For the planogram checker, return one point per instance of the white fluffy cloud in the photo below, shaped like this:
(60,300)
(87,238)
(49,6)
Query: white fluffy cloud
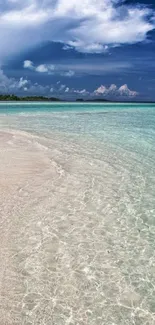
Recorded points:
(82,92)
(67,90)
(44,68)
(26,87)
(21,86)
(28,64)
(48,69)
(86,25)
(10,85)
(113,90)
(125,91)
(70,68)
(22,83)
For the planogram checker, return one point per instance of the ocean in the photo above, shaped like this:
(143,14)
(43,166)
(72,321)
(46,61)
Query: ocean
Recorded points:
(77,208)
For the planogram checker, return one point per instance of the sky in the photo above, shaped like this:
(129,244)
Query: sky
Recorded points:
(78,49)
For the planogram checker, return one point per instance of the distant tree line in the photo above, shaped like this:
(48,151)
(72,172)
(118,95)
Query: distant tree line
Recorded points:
(13,97)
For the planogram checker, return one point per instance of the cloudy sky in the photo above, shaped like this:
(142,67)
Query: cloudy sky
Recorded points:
(72,49)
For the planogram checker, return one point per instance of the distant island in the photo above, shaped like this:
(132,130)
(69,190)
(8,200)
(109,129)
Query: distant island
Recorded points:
(98,100)
(15,98)
(28,98)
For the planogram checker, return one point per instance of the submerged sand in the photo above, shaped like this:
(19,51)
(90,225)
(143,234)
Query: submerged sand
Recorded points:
(68,255)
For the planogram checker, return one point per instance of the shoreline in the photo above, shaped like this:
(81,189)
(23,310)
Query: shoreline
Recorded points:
(73,103)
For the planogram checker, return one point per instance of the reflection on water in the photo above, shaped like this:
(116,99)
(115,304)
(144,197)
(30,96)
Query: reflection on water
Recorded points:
(77,223)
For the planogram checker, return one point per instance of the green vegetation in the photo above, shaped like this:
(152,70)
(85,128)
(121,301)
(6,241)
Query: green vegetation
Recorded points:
(8,97)
(15,98)
(27,99)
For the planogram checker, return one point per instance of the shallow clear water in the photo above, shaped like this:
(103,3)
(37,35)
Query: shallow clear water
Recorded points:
(78,214)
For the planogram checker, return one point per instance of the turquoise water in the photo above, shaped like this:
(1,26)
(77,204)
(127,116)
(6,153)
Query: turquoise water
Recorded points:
(94,199)
(127,126)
